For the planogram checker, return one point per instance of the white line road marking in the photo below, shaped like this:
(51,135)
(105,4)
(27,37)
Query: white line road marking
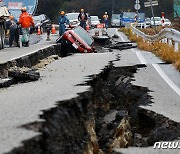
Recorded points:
(166,78)
(120,36)
(156,67)
(140,57)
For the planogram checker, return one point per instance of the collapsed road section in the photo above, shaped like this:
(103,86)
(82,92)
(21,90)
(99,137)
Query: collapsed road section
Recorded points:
(96,116)
(101,119)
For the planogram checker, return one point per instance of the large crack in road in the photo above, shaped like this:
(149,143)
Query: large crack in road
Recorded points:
(106,117)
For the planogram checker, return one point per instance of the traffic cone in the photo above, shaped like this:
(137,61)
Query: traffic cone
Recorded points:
(39,30)
(100,25)
(53,30)
(87,27)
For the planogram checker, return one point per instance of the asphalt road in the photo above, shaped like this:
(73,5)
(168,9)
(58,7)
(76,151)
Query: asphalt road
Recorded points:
(23,103)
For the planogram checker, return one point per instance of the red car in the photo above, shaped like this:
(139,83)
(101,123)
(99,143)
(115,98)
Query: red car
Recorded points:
(77,40)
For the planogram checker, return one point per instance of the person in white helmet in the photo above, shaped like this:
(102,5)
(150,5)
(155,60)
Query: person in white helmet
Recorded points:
(106,17)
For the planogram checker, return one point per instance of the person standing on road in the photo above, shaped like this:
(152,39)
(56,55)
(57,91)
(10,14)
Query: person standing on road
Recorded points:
(12,31)
(63,20)
(82,17)
(106,17)
(26,22)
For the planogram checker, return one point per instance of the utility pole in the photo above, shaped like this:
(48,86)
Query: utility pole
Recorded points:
(152,13)
(112,6)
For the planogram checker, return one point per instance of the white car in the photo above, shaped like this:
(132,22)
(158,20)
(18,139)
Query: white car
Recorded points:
(94,21)
(148,22)
(115,20)
(73,19)
(158,21)
(167,22)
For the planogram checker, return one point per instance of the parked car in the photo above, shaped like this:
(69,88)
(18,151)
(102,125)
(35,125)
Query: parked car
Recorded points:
(76,40)
(116,20)
(73,19)
(42,21)
(148,22)
(167,22)
(94,21)
(158,21)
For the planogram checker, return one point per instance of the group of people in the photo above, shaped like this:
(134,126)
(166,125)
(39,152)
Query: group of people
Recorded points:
(63,21)
(82,17)
(26,21)
(12,28)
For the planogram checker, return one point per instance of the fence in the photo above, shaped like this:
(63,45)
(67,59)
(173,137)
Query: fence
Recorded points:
(167,35)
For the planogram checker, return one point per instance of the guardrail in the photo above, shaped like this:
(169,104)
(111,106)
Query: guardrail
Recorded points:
(167,35)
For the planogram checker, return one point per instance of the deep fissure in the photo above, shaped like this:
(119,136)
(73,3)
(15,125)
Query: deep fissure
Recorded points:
(101,119)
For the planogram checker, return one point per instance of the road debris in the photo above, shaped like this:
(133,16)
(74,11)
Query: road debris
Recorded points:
(6,82)
(24,74)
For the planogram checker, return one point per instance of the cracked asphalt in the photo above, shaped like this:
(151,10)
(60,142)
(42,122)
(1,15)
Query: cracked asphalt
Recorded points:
(23,103)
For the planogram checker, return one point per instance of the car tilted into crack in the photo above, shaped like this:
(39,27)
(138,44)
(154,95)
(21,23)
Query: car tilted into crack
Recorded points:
(76,40)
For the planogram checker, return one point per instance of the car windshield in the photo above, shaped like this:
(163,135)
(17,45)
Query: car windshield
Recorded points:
(94,18)
(116,16)
(167,20)
(156,18)
(130,15)
(72,16)
(84,35)
(147,19)
(37,18)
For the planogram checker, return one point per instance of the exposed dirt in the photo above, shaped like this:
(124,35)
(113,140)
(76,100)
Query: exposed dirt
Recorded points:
(104,118)
(42,63)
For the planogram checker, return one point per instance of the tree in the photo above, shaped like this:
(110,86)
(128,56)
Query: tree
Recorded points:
(97,7)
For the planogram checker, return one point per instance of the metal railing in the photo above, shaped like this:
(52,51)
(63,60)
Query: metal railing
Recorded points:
(166,35)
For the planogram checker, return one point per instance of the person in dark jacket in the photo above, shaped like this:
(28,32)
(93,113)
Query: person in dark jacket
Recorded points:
(62,21)
(82,18)
(12,31)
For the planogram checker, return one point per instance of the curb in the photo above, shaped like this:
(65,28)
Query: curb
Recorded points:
(30,59)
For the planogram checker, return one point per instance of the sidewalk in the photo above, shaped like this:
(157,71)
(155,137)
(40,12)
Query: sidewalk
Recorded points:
(9,54)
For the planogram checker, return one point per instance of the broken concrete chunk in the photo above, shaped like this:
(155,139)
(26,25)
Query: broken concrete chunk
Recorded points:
(20,75)
(6,82)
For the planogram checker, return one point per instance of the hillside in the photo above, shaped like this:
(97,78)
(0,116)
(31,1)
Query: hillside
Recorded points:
(97,7)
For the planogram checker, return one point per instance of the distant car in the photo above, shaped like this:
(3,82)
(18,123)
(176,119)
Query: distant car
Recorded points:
(116,20)
(76,40)
(42,21)
(167,22)
(148,22)
(73,19)
(94,21)
(158,21)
